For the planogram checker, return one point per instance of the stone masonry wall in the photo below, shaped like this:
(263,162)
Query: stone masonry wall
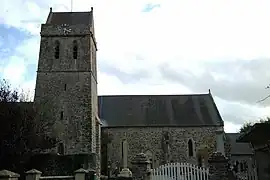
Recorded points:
(98,148)
(145,139)
(57,30)
(65,87)
(75,127)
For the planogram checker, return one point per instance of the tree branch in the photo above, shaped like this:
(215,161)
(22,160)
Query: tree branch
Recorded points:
(263,99)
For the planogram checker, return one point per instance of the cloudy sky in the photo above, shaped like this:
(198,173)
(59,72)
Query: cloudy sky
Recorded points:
(158,47)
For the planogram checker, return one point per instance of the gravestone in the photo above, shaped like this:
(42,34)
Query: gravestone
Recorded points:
(141,167)
(218,167)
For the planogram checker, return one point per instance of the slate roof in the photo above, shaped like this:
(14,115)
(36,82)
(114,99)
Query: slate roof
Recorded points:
(70,18)
(159,110)
(238,148)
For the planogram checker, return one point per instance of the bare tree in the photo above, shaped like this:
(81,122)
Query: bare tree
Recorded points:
(19,132)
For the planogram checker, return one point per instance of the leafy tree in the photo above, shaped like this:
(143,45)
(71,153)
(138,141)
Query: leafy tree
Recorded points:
(20,134)
(247,126)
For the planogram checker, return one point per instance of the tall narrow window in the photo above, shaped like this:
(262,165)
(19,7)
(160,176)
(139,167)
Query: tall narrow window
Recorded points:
(65,87)
(122,149)
(60,148)
(190,148)
(57,50)
(61,115)
(75,50)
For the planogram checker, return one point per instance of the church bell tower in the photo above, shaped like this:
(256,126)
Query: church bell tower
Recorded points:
(66,84)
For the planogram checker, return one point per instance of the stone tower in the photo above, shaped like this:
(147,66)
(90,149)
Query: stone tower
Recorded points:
(66,85)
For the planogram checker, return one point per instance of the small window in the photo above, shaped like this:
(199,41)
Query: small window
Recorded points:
(57,50)
(61,115)
(65,87)
(190,148)
(60,148)
(75,50)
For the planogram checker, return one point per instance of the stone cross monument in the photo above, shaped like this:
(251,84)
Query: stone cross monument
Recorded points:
(125,171)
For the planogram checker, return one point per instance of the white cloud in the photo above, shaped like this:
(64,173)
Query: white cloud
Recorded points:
(183,34)
(237,113)
(28,89)
(109,84)
(231,128)
(14,70)
(29,50)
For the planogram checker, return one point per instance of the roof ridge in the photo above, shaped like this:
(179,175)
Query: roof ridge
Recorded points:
(71,18)
(199,94)
(72,12)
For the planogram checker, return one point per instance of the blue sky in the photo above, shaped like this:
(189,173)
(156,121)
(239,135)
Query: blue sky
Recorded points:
(19,67)
(158,47)
(10,38)
(149,7)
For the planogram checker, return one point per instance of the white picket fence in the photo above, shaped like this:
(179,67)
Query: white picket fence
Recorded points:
(180,171)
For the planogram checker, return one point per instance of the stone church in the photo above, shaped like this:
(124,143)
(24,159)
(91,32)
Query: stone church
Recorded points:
(168,128)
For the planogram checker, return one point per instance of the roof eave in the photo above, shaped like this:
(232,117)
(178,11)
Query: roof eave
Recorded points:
(216,109)
(161,125)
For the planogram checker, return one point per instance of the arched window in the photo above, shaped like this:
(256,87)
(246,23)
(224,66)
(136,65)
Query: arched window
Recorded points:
(75,50)
(57,50)
(61,115)
(122,150)
(60,148)
(190,148)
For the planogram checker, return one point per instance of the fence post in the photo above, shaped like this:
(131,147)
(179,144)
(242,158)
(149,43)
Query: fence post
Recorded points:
(141,167)
(80,174)
(8,175)
(33,174)
(218,167)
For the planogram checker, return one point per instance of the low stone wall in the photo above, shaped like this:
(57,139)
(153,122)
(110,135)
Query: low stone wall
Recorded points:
(80,174)
(53,164)
(49,164)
